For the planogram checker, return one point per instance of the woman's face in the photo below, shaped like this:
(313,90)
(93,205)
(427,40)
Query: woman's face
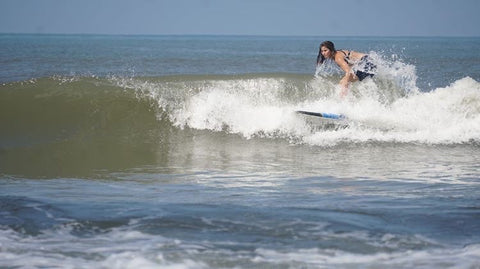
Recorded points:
(326,52)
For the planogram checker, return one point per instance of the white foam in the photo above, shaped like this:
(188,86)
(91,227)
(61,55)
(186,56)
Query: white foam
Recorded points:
(467,257)
(443,116)
(388,108)
(247,107)
(116,249)
(122,248)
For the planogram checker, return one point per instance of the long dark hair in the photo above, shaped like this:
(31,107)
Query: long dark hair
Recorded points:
(329,45)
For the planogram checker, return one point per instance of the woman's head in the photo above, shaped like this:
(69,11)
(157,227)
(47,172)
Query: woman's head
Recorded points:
(326,50)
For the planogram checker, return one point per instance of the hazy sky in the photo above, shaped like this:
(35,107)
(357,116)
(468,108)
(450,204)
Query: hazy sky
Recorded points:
(244,17)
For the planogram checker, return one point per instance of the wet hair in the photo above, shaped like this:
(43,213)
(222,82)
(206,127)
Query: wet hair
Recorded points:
(329,45)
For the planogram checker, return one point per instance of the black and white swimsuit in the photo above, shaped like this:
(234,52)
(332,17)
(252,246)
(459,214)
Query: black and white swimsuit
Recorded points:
(363,68)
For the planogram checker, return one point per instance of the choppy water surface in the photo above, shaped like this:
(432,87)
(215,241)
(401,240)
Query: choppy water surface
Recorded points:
(186,152)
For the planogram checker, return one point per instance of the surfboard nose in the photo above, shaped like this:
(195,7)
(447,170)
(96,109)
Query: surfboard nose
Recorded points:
(323,115)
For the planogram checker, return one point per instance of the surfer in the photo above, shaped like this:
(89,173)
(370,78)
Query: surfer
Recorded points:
(357,65)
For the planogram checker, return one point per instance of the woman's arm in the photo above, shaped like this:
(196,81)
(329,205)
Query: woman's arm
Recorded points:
(349,76)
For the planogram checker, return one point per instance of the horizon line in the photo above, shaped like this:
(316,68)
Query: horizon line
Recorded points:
(238,35)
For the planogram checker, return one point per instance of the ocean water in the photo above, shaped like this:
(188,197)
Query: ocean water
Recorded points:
(186,152)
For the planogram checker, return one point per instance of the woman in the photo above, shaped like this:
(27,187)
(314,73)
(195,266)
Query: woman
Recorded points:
(357,65)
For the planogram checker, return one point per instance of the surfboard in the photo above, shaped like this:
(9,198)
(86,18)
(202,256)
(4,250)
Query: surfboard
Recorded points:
(322,115)
(324,121)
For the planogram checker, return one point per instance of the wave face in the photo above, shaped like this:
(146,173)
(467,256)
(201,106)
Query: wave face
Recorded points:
(91,122)
(139,110)
(139,119)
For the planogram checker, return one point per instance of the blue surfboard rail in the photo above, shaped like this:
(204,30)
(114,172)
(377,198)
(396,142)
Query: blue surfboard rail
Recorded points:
(322,115)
